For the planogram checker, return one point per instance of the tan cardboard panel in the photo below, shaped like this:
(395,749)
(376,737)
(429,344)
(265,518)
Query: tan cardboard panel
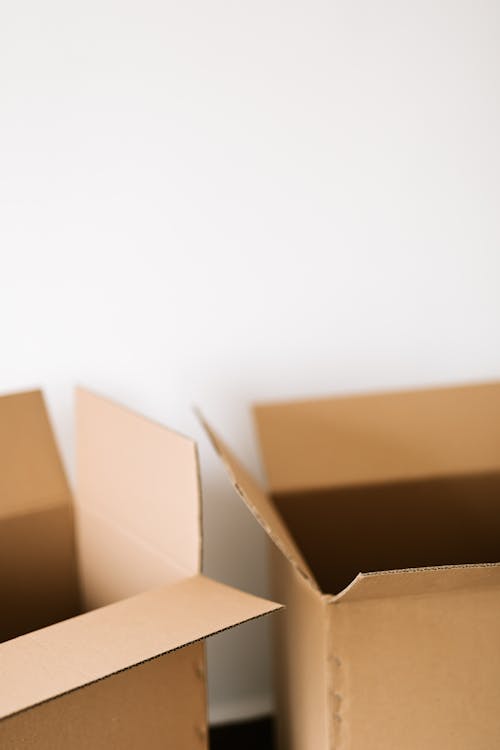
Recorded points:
(142,478)
(417,672)
(419,582)
(384,437)
(38,579)
(31,473)
(130,565)
(77,652)
(157,705)
(300,654)
(344,531)
(260,505)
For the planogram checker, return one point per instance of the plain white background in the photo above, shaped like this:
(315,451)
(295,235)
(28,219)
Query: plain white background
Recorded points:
(220,202)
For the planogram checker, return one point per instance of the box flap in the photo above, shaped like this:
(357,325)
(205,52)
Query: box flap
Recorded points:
(71,654)
(419,581)
(260,505)
(137,487)
(378,438)
(32,477)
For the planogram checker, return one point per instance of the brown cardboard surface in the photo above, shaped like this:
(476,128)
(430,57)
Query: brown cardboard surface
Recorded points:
(417,672)
(420,582)
(38,581)
(382,437)
(119,564)
(129,674)
(32,476)
(301,667)
(142,479)
(261,506)
(344,531)
(70,654)
(406,484)
(159,704)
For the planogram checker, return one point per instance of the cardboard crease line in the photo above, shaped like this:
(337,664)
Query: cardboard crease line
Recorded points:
(267,528)
(161,554)
(336,687)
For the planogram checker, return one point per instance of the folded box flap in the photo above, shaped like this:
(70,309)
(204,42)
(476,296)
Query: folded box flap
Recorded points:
(261,506)
(140,481)
(419,582)
(32,477)
(71,654)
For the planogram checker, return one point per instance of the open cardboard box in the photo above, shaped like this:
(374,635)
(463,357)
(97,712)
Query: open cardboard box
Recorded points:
(406,488)
(129,672)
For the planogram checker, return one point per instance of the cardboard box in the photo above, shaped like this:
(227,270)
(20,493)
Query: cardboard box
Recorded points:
(129,672)
(404,487)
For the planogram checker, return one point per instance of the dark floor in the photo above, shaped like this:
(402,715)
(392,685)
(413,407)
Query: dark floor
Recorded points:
(257,735)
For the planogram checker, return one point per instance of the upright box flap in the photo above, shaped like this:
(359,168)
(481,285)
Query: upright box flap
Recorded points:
(419,581)
(261,506)
(137,489)
(71,654)
(32,477)
(379,438)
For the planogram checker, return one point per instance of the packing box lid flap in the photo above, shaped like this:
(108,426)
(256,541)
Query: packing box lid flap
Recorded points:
(32,477)
(140,478)
(383,437)
(261,506)
(419,582)
(71,654)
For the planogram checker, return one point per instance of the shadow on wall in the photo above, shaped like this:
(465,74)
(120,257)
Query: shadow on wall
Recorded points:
(235,552)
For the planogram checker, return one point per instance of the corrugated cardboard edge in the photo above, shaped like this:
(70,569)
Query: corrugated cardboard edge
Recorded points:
(272,524)
(200,508)
(335,687)
(141,637)
(418,581)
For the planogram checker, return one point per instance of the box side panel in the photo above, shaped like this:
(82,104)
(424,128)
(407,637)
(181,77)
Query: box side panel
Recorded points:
(383,437)
(131,566)
(300,641)
(38,581)
(140,479)
(156,705)
(31,472)
(417,672)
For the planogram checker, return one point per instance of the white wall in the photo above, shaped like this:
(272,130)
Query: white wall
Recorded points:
(217,202)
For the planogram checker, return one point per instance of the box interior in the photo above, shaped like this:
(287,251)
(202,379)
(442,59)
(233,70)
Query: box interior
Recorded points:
(46,580)
(342,532)
(132,524)
(38,571)
(387,481)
